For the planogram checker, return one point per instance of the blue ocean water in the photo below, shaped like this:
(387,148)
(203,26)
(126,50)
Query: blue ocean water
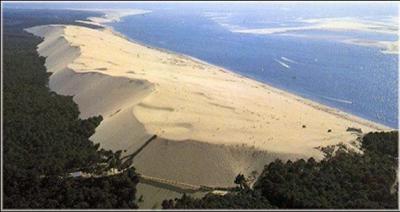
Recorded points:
(356,79)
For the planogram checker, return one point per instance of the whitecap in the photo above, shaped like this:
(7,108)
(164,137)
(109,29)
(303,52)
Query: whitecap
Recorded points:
(288,60)
(282,63)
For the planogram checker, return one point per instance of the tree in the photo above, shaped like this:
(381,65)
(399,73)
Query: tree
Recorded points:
(241,181)
(43,137)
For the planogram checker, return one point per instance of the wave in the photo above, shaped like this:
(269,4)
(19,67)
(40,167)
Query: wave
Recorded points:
(282,63)
(337,100)
(288,60)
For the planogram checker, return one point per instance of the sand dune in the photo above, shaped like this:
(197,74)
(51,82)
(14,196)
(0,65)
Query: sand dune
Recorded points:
(211,123)
(111,15)
(115,15)
(201,163)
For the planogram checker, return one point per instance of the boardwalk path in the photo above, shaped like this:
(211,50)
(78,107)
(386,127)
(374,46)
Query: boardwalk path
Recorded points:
(179,186)
(173,185)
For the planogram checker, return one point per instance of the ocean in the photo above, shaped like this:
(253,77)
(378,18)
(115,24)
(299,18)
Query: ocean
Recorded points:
(312,63)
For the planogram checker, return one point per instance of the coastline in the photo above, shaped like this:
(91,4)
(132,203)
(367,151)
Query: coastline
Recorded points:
(111,15)
(201,113)
(317,105)
(210,75)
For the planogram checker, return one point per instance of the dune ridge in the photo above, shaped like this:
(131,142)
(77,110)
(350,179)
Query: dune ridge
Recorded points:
(211,123)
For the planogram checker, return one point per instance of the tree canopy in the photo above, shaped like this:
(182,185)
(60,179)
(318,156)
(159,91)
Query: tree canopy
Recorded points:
(43,137)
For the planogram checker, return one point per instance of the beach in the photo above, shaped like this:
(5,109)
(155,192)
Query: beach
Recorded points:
(211,123)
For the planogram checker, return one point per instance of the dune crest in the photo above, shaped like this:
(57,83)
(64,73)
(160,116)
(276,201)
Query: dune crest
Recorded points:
(211,123)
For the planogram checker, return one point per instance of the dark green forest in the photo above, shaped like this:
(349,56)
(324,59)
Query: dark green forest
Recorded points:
(43,137)
(343,179)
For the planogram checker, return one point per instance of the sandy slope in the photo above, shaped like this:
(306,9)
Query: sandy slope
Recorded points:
(211,123)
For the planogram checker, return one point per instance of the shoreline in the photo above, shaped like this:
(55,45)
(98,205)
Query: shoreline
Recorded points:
(268,88)
(211,123)
(110,15)
(329,109)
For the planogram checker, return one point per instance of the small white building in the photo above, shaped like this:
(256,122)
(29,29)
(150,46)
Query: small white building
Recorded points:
(76,174)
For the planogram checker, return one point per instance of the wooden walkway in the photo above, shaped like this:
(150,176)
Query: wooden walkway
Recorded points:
(179,186)
(168,184)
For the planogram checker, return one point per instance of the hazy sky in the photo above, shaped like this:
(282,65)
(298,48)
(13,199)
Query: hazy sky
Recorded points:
(297,8)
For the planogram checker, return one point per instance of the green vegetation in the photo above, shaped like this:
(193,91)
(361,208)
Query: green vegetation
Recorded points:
(344,179)
(241,200)
(115,191)
(43,137)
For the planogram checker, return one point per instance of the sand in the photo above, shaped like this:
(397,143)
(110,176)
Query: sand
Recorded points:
(111,15)
(211,123)
(389,26)
(387,47)
(333,24)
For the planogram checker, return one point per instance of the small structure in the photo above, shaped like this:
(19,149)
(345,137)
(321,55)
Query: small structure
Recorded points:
(76,174)
(219,192)
(80,174)
(112,171)
(353,129)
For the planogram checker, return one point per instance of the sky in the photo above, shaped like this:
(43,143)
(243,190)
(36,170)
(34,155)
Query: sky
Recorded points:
(384,6)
